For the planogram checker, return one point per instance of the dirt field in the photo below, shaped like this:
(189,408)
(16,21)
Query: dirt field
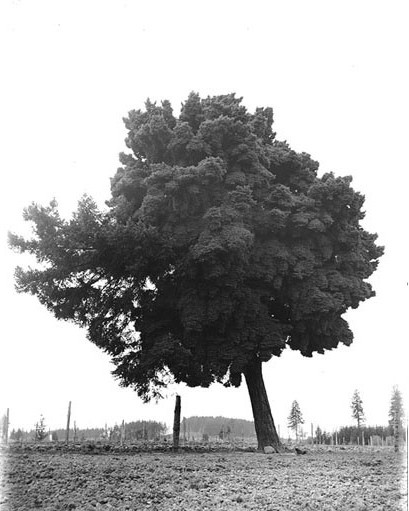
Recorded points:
(333,479)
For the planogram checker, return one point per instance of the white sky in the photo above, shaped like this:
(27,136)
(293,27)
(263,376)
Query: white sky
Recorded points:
(335,74)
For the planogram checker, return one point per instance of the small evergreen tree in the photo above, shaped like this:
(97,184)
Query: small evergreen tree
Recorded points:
(357,409)
(295,418)
(114,433)
(396,414)
(318,435)
(326,437)
(40,429)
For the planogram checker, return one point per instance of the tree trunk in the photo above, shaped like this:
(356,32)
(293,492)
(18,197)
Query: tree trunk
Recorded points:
(176,424)
(396,433)
(263,420)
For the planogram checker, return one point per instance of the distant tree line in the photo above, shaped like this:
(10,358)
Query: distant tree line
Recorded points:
(204,427)
(143,430)
(138,430)
(221,427)
(353,434)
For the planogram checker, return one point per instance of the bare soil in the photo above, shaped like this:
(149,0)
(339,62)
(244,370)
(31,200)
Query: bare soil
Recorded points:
(323,479)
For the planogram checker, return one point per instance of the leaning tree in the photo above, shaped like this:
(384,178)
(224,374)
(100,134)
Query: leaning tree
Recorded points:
(220,247)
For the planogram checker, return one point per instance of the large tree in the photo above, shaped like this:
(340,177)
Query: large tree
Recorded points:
(220,248)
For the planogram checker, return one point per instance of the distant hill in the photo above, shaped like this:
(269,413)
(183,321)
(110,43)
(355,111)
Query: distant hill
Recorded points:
(218,427)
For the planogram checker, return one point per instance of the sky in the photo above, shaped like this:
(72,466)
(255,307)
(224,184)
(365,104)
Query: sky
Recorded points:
(335,74)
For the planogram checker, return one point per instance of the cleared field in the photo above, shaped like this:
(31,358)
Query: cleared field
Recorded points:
(371,480)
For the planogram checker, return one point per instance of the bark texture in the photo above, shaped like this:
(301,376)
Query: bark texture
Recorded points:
(263,419)
(176,424)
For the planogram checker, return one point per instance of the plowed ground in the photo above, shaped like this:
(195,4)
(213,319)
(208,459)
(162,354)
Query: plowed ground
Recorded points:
(366,480)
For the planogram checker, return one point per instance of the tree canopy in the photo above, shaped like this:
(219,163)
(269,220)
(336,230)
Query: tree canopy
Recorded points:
(220,245)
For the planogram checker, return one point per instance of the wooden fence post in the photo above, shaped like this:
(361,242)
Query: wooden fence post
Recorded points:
(176,424)
(67,433)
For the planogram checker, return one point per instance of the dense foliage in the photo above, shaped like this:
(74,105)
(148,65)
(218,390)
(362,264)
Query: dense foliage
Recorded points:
(221,246)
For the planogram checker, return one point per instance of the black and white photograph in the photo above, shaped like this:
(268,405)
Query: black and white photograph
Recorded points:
(204,255)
